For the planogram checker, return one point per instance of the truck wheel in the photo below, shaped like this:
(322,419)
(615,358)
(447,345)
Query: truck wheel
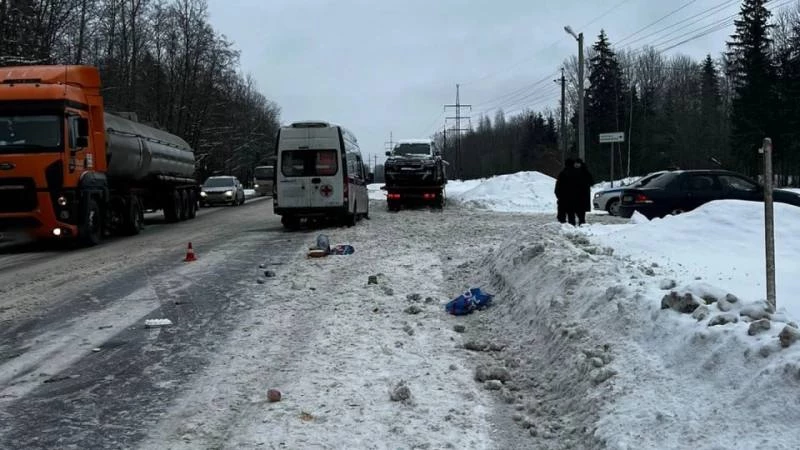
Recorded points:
(184,205)
(192,213)
(172,207)
(290,223)
(135,218)
(439,202)
(91,230)
(351,220)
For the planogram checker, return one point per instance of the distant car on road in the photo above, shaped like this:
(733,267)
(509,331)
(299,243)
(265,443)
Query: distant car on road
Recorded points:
(222,190)
(608,199)
(680,191)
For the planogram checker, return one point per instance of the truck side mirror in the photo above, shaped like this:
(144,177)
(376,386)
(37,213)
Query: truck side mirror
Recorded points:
(370,178)
(388,153)
(82,140)
(83,127)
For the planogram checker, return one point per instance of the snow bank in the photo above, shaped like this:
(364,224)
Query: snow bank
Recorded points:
(722,243)
(610,369)
(375,192)
(528,192)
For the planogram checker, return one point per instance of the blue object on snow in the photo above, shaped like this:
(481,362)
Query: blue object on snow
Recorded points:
(469,301)
(343,249)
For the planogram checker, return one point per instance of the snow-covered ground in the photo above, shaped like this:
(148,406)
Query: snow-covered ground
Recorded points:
(596,357)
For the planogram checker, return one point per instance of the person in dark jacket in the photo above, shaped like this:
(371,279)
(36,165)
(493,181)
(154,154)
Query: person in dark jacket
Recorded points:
(573,191)
(561,198)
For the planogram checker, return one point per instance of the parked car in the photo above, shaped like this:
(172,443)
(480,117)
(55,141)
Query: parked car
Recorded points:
(608,199)
(222,190)
(684,190)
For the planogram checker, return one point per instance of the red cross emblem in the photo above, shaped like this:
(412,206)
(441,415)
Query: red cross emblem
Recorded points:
(326,190)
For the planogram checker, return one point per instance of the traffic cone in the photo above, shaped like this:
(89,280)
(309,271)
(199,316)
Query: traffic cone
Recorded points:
(190,254)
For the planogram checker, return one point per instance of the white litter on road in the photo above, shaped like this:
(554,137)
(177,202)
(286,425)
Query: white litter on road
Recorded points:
(151,323)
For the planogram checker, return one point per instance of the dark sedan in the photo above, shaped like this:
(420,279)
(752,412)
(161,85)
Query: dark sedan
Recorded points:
(684,190)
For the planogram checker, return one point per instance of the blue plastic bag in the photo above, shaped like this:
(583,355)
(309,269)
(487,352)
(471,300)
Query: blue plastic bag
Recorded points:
(469,301)
(342,249)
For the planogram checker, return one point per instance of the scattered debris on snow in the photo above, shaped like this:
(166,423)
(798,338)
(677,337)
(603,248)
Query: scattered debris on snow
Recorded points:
(152,323)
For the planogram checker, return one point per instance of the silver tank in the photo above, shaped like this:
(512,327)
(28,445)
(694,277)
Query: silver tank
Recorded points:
(135,151)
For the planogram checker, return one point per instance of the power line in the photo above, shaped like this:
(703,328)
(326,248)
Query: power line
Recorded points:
(661,19)
(696,18)
(549,47)
(517,92)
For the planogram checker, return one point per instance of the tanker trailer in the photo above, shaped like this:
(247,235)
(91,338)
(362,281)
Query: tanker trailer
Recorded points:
(155,167)
(70,171)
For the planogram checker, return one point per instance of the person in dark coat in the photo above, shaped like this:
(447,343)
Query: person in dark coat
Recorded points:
(561,197)
(573,191)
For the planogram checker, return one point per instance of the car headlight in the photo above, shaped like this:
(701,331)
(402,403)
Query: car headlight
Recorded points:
(255,186)
(203,194)
(597,194)
(228,193)
(62,201)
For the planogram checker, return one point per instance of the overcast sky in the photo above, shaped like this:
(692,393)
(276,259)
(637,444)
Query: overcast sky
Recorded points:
(381,66)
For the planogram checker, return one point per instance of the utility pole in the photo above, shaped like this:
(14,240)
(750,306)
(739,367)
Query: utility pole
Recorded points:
(563,132)
(458,117)
(389,143)
(581,129)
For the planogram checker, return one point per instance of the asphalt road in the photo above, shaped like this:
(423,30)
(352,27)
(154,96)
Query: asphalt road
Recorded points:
(78,366)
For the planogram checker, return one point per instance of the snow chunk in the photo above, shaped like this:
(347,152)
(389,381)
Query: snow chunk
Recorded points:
(152,323)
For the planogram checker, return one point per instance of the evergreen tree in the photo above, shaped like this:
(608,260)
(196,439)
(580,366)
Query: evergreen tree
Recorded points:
(605,102)
(710,108)
(752,74)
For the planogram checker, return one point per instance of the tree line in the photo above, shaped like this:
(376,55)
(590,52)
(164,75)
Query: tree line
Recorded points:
(160,59)
(676,112)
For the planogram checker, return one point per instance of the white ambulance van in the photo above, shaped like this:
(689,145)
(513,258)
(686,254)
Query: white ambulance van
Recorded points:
(319,175)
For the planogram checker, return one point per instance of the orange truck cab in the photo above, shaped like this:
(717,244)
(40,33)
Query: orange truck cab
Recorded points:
(68,170)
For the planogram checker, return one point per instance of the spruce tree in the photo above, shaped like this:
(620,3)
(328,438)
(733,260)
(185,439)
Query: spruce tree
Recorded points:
(752,74)
(605,103)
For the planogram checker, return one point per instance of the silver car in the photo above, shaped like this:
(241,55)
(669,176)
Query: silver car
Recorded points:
(222,190)
(608,199)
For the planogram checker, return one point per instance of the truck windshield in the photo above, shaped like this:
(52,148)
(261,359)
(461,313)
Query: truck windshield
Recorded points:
(412,149)
(31,133)
(264,173)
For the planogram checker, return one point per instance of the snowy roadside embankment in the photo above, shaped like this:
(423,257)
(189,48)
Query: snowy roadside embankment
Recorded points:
(721,243)
(597,338)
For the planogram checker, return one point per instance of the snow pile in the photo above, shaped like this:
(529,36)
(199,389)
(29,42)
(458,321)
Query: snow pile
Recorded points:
(609,368)
(528,192)
(375,192)
(721,242)
(458,187)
